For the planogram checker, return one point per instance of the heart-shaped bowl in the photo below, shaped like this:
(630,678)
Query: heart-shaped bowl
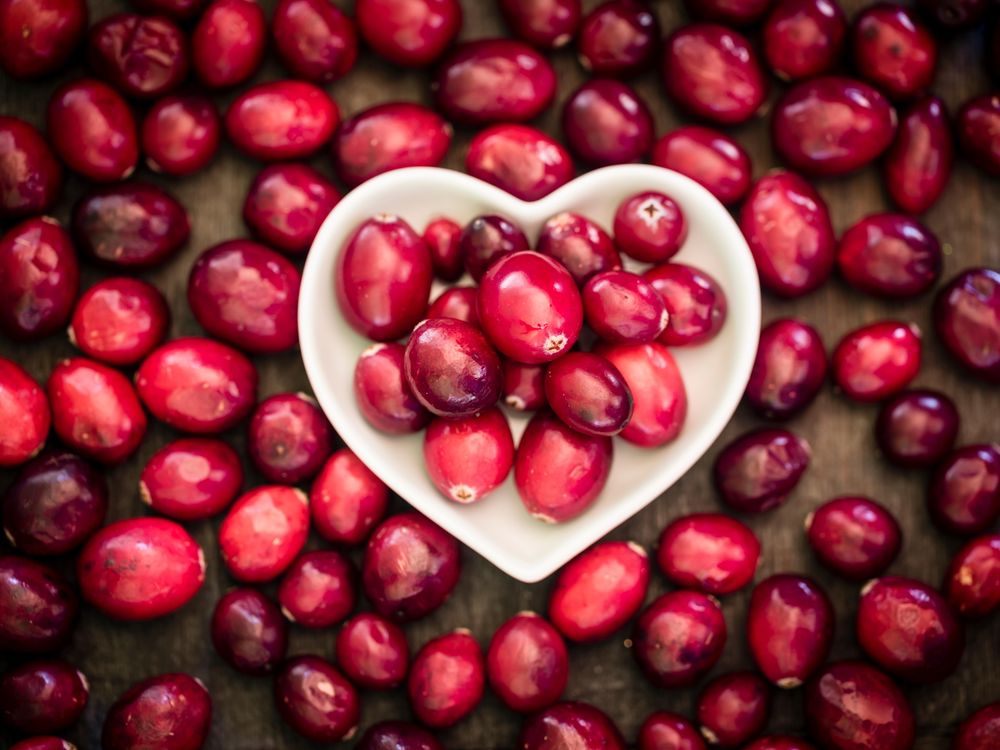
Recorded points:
(498,527)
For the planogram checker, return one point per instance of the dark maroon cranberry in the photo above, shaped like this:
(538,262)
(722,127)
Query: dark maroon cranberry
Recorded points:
(893,49)
(525,162)
(803,38)
(588,393)
(143,57)
(570,724)
(972,584)
(679,637)
(890,255)
(447,679)
(977,124)
(382,393)
(180,134)
(37,607)
(734,708)
(667,731)
(527,663)
(314,39)
(316,700)
(712,159)
(967,318)
(25,411)
(964,493)
(548,24)
(623,308)
(119,320)
(979,730)
(607,122)
(854,536)
(169,711)
(579,244)
(248,631)
(442,237)
(37,37)
(695,303)
(736,12)
(318,590)
(523,385)
(917,428)
(191,478)
(458,302)
(650,227)
(373,651)
(757,471)
(877,360)
(30,175)
(918,164)
(227,44)
(709,552)
(412,33)
(287,203)
(789,369)
(347,500)
(289,438)
(618,38)
(955,14)
(485,240)
(397,735)
(42,696)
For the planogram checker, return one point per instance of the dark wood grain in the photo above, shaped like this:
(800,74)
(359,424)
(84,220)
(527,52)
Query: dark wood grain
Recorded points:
(967,219)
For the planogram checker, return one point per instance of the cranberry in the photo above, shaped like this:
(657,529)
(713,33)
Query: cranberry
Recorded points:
(712,159)
(227,44)
(383,278)
(264,532)
(316,700)
(469,457)
(119,320)
(38,608)
(679,637)
(548,24)
(890,255)
(918,164)
(527,663)
(917,428)
(779,742)
(43,743)
(978,122)
(458,302)
(347,500)
(42,696)
(523,385)
(588,393)
(397,735)
(412,33)
(248,631)
(37,37)
(493,80)
(850,705)
(803,38)
(606,122)
(373,652)
(180,134)
(787,225)
(410,567)
(972,584)
(964,493)
(485,240)
(709,552)
(877,360)
(579,244)
(954,14)
(599,590)
(734,708)
(130,226)
(623,308)
(979,730)
(695,303)
(191,479)
(54,505)
(289,438)
(314,39)
(24,412)
(570,724)
(286,205)
(712,72)
(318,590)
(893,49)
(442,237)
(30,175)
(143,57)
(666,731)
(757,471)
(618,38)
(382,393)
(789,369)
(526,162)
(967,318)
(854,536)
(168,711)
(650,227)
(447,679)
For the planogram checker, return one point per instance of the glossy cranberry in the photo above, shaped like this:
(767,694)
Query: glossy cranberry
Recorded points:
(281,120)
(733,708)
(248,631)
(893,49)
(382,393)
(228,42)
(54,505)
(708,552)
(42,696)
(318,589)
(30,175)
(191,479)
(667,731)
(410,567)
(43,743)
(143,57)
(803,38)
(485,240)
(286,205)
(180,134)
(37,37)
(412,33)
(527,663)
(917,428)
(469,457)
(570,724)
(977,126)
(712,159)
(967,319)
(289,438)
(38,608)
(447,679)
(547,24)
(25,413)
(525,162)
(890,255)
(347,500)
(316,700)
(979,730)
(854,536)
(757,471)
(695,303)
(972,584)
(119,320)
(954,14)
(169,711)
(907,627)
(964,493)
(314,39)
(606,122)
(579,244)
(678,638)
(458,302)
(623,308)
(779,742)
(383,278)
(588,393)
(442,237)
(493,80)
(649,227)
(789,369)
(263,532)
(877,360)
(372,651)
(398,735)
(599,590)
(618,38)
(918,164)
(523,385)
(197,385)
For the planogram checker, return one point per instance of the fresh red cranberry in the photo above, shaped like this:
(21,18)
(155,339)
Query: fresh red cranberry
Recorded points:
(398,735)
(979,730)
(618,38)
(30,175)
(712,159)
(314,39)
(227,44)
(289,438)
(623,308)
(55,504)
(191,479)
(412,33)
(803,38)
(458,302)
(890,255)
(523,385)
(667,731)
(678,638)
(918,164)
(527,663)
(383,278)
(579,244)
(24,412)
(485,240)
(38,608)
(410,568)
(967,319)
(447,679)
(286,205)
(119,320)
(757,471)
(708,552)
(347,500)
(43,743)
(318,589)
(263,532)
(854,536)
(789,369)
(469,457)
(180,134)
(607,122)
(734,708)
(649,227)
(877,360)
(779,742)
(442,236)
(588,393)
(372,651)
(787,225)
(964,493)
(169,711)
(907,627)
(316,700)
(42,696)
(248,631)
(547,24)
(197,385)
(972,584)
(599,590)
(917,428)
(893,49)
(977,126)
(37,37)
(143,57)
(382,393)
(570,724)
(526,162)
(493,80)
(695,303)
(712,72)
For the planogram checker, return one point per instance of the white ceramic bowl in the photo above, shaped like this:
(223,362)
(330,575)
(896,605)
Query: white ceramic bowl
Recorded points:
(498,527)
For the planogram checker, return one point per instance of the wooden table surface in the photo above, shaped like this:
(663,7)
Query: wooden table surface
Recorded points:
(845,460)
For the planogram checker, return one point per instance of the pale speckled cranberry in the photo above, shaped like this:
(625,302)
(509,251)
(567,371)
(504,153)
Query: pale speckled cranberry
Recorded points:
(972,583)
(711,158)
(458,302)
(30,176)
(523,385)
(142,56)
(918,164)
(227,44)
(917,428)
(963,495)
(877,360)
(191,479)
(447,679)
(803,38)
(979,730)
(668,731)
(854,536)
(286,204)
(650,227)
(757,471)
(967,319)
(709,552)
(442,238)
(977,124)
(570,724)
(347,500)
(579,244)
(485,240)
(382,393)
(180,134)
(42,696)
(607,122)
(38,608)
(548,24)
(618,38)
(469,457)
(695,303)
(168,711)
(373,653)
(25,412)
(789,370)
(263,532)
(37,37)
(119,320)
(893,49)
(248,631)
(623,308)
(527,663)
(412,33)
(526,162)
(588,393)
(678,638)
(318,589)
(890,255)
(733,708)
(316,700)
(314,39)
(289,438)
